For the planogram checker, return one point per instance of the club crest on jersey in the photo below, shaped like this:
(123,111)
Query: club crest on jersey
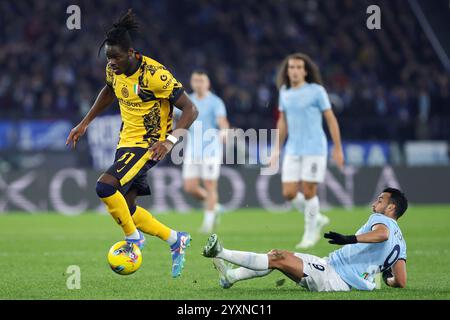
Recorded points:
(125,92)
(136,89)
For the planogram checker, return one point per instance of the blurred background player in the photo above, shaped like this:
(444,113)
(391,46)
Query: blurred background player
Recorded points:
(302,102)
(146,91)
(378,246)
(203,153)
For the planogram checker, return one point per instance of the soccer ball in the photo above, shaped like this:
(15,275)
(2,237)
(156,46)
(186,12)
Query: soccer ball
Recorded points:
(124,257)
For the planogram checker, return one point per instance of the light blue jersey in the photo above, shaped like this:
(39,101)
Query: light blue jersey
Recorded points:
(303,108)
(204,140)
(358,263)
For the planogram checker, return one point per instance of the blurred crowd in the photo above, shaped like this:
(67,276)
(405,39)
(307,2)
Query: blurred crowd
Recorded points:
(384,84)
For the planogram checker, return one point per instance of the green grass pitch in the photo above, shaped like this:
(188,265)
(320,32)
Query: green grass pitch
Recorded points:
(35,251)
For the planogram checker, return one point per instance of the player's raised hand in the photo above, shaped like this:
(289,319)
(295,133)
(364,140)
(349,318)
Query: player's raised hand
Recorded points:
(75,134)
(160,149)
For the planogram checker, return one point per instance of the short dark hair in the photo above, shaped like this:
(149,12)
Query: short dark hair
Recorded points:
(119,34)
(398,198)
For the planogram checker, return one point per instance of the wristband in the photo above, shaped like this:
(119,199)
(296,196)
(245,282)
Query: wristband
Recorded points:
(352,239)
(172,138)
(386,275)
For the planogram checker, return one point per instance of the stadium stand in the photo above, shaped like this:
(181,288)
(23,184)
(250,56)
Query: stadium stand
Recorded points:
(383,85)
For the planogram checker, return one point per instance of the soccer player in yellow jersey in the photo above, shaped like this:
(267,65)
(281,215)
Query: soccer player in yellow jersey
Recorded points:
(146,92)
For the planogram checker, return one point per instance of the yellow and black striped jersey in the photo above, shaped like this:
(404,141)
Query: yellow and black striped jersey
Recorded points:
(146,101)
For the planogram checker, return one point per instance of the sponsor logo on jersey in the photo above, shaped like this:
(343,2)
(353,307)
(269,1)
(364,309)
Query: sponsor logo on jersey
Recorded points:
(128,103)
(168,83)
(152,69)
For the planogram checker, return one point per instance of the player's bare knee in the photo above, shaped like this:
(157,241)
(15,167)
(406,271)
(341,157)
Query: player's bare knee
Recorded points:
(191,185)
(104,190)
(309,191)
(109,179)
(106,186)
(289,194)
(272,252)
(276,258)
(309,195)
(189,188)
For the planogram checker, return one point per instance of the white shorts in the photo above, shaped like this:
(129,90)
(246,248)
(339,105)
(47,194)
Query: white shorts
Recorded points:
(208,169)
(304,168)
(319,275)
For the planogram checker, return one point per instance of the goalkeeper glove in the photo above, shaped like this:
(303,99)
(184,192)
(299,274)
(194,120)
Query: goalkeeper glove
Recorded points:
(337,238)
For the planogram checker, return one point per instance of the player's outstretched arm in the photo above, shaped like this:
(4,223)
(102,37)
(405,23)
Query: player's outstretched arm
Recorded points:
(396,276)
(379,233)
(160,148)
(104,99)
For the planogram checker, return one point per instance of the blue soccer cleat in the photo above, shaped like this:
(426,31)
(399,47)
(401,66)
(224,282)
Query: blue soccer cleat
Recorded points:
(178,250)
(139,242)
